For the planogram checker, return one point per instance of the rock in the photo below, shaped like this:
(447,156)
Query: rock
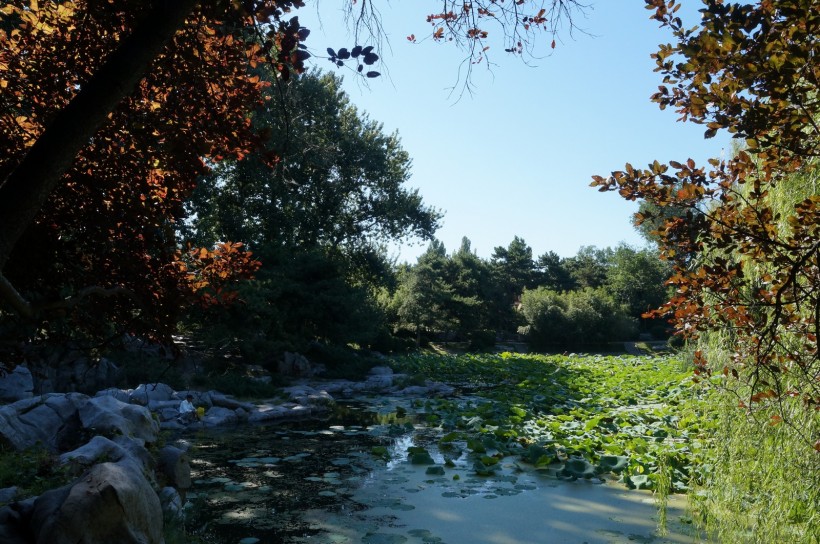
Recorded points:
(15,523)
(219,416)
(74,372)
(267,412)
(16,385)
(174,465)
(50,420)
(379,381)
(381,371)
(294,364)
(98,448)
(113,502)
(119,394)
(225,401)
(7,494)
(145,393)
(108,416)
(172,503)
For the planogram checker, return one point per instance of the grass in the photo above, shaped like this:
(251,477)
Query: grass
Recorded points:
(34,471)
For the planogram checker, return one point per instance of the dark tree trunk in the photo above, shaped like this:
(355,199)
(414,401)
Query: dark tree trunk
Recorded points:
(25,190)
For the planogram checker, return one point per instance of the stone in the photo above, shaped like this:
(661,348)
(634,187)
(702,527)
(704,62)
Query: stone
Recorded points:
(108,416)
(119,394)
(224,401)
(174,466)
(99,448)
(74,372)
(16,385)
(113,502)
(381,371)
(50,420)
(8,494)
(172,503)
(295,364)
(219,416)
(15,525)
(145,393)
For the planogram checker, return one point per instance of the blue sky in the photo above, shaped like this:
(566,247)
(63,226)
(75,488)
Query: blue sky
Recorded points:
(516,157)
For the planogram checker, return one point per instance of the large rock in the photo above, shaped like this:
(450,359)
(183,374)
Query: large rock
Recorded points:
(16,385)
(295,364)
(14,523)
(74,372)
(112,503)
(219,417)
(51,420)
(146,393)
(174,466)
(98,448)
(108,416)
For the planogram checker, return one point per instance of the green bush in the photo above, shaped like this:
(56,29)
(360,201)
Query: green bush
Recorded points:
(589,317)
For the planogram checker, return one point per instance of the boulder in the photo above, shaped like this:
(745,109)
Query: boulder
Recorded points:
(16,385)
(225,401)
(174,466)
(51,420)
(108,416)
(113,502)
(295,364)
(8,494)
(219,416)
(15,526)
(172,504)
(119,394)
(146,393)
(98,448)
(73,372)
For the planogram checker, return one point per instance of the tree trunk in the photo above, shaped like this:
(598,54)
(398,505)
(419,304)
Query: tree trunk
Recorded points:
(25,190)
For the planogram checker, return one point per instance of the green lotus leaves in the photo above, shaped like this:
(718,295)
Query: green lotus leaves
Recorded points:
(613,463)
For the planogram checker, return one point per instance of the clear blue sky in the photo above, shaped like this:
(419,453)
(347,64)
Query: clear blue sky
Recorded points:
(516,157)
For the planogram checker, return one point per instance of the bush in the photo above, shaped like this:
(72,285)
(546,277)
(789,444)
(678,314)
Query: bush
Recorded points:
(590,317)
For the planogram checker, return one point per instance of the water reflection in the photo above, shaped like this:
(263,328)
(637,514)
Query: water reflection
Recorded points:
(327,482)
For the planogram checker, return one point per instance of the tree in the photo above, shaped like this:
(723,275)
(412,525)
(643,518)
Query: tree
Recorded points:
(470,279)
(423,295)
(636,279)
(739,264)
(513,270)
(339,181)
(588,268)
(552,272)
(110,111)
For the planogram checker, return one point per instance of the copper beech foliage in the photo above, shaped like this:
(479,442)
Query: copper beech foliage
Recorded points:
(740,267)
(108,222)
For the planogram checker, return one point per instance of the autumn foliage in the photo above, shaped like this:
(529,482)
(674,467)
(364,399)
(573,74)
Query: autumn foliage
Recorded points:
(109,221)
(743,265)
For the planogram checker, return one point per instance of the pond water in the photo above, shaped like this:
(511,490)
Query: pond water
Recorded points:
(347,479)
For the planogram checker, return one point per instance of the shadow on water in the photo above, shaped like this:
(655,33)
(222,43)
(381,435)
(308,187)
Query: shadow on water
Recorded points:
(320,482)
(255,482)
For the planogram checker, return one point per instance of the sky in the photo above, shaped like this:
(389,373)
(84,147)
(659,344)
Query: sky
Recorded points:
(516,156)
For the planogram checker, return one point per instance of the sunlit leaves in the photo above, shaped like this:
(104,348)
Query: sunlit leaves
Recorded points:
(743,236)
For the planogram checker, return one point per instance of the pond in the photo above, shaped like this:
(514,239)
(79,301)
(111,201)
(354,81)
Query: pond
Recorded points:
(349,479)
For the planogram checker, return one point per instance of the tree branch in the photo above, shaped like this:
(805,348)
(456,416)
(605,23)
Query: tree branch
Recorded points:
(26,189)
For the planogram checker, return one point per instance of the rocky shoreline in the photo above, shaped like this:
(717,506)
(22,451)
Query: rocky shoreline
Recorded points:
(126,482)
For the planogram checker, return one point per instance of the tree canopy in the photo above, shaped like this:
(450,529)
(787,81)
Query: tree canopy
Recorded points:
(111,111)
(741,263)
